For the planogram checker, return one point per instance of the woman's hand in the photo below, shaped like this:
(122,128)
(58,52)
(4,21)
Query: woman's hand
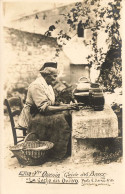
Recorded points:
(63,107)
(73,106)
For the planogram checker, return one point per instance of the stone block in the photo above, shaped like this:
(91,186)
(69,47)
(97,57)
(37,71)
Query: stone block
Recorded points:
(82,151)
(89,126)
(88,123)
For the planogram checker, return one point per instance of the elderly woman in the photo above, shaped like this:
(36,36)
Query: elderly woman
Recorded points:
(39,115)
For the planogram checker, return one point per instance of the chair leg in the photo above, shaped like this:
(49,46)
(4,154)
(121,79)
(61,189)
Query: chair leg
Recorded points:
(15,140)
(24,132)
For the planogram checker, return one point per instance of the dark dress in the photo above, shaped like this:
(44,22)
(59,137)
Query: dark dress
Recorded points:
(50,127)
(54,128)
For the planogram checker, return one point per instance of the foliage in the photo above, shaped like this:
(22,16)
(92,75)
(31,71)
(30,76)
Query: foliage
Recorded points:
(97,15)
(111,68)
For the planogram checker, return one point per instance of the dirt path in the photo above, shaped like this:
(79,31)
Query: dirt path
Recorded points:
(14,183)
(108,152)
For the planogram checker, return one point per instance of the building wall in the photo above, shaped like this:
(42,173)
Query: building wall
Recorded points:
(77,71)
(24,55)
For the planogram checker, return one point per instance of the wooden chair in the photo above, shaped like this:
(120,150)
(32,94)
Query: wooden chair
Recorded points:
(14,107)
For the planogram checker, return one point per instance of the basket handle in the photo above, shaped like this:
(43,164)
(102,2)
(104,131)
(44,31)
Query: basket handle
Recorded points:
(29,135)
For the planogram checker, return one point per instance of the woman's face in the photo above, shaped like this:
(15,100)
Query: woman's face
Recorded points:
(51,79)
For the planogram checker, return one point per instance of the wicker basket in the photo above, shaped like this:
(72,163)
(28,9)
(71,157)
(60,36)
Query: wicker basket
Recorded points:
(32,153)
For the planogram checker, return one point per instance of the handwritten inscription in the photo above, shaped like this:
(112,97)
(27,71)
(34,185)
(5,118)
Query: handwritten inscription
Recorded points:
(84,178)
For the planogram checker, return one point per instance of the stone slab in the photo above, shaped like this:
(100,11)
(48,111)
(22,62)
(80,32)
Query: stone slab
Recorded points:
(82,151)
(88,123)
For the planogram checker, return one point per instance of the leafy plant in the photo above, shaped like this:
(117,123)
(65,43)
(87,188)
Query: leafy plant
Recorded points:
(97,15)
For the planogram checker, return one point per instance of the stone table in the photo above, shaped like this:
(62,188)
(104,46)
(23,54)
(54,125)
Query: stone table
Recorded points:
(88,124)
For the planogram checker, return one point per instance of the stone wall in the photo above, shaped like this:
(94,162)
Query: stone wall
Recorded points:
(24,55)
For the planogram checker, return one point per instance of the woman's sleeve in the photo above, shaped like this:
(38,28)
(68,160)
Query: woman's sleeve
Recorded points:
(39,98)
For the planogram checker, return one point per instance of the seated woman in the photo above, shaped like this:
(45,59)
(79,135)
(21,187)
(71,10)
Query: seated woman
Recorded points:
(39,115)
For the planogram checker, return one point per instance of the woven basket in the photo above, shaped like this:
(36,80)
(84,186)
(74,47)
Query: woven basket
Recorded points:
(32,153)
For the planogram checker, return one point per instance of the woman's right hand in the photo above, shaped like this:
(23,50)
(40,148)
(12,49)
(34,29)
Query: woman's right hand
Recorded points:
(73,107)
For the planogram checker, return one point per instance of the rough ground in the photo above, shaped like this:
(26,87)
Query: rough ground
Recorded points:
(107,160)
(108,150)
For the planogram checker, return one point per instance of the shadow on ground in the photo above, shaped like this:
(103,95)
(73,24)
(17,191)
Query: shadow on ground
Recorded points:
(107,149)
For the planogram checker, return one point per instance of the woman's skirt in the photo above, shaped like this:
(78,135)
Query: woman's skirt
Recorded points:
(55,128)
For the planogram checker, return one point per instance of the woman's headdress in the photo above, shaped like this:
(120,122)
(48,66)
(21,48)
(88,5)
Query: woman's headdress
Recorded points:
(48,64)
